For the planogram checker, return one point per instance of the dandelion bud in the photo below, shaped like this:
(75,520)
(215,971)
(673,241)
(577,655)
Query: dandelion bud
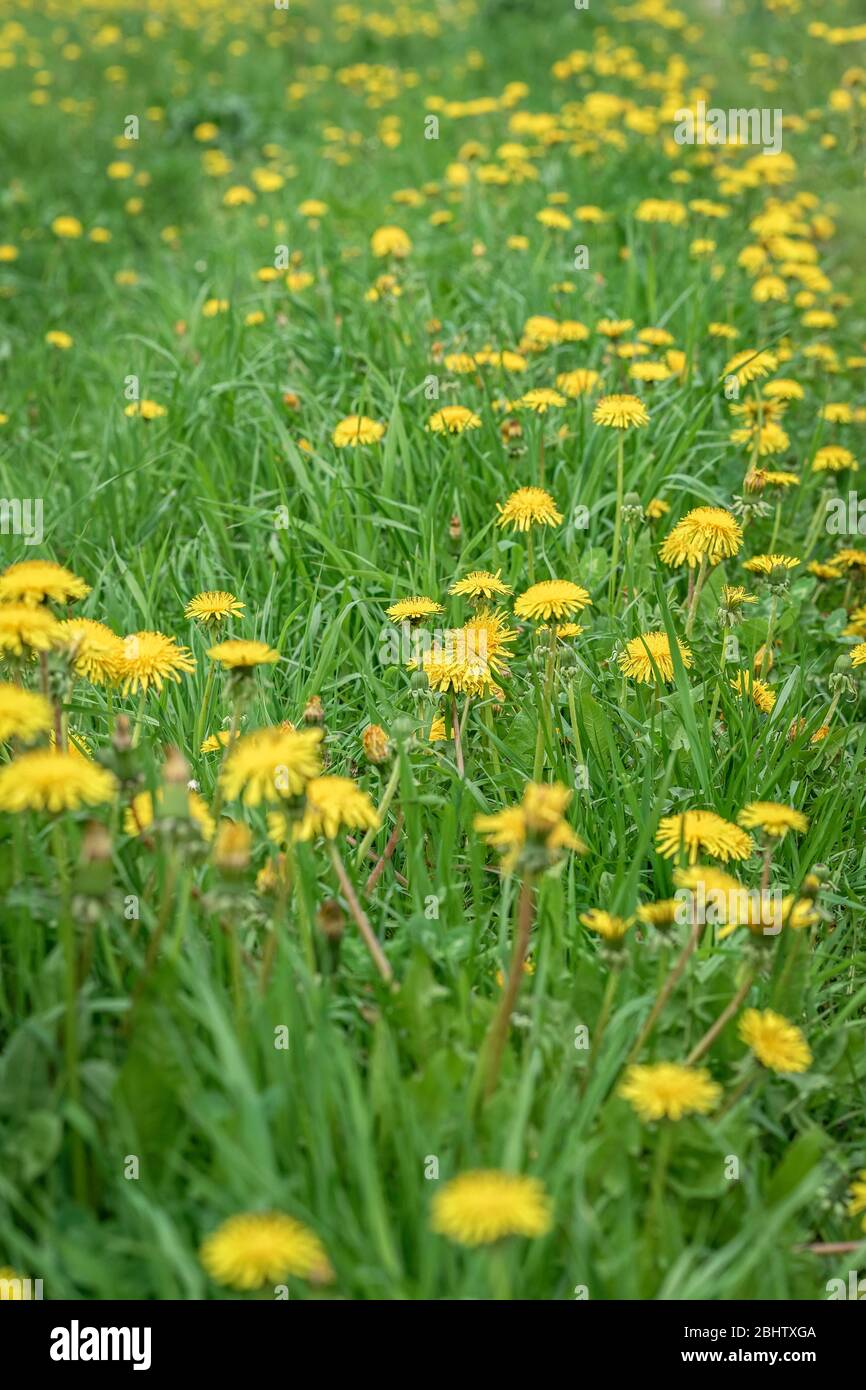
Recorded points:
(377,746)
(330,920)
(313,711)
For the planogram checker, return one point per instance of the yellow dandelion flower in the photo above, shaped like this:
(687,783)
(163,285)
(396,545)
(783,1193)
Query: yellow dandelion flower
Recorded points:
(334,804)
(95,651)
(453,419)
(774,819)
(537,825)
(67,227)
(37,581)
(480,1207)
(607,924)
(580,382)
(702,831)
(413,610)
(150,658)
(213,606)
(766,564)
(355,430)
(777,1044)
(480,584)
(857,1196)
(648,658)
(257,1248)
(709,533)
(241,655)
(540,400)
(271,764)
(750,365)
(214,742)
(23,713)
(620,412)
(24,629)
(832,458)
(390,241)
(761,694)
(552,598)
(528,506)
(669,1090)
(438,733)
(46,780)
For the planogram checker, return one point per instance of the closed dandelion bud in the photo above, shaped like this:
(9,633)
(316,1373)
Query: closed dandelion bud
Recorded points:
(313,711)
(96,845)
(377,745)
(510,429)
(418,683)
(763,660)
(233,845)
(290,400)
(455,531)
(331,920)
(841,682)
(93,878)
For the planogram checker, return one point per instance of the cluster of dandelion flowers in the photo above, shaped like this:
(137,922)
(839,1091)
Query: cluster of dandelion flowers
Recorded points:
(240,655)
(413,610)
(257,1248)
(24,630)
(355,430)
(620,412)
(481,1207)
(333,804)
(699,832)
(214,606)
(151,658)
(46,780)
(669,1090)
(271,764)
(96,653)
(709,533)
(648,658)
(777,1044)
(551,598)
(480,584)
(23,714)
(453,419)
(772,818)
(528,506)
(38,581)
(455,664)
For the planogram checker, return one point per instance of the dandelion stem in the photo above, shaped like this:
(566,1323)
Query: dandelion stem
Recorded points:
(727,1013)
(70,1030)
(667,990)
(617,523)
(771,621)
(696,596)
(498,1031)
(382,964)
(382,810)
(458,743)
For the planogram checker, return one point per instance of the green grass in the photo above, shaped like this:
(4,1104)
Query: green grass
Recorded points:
(175,1060)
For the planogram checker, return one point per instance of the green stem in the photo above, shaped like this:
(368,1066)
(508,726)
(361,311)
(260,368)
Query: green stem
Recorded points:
(387,798)
(617,523)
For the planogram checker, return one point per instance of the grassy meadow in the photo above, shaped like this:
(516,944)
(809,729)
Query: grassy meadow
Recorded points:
(499,943)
